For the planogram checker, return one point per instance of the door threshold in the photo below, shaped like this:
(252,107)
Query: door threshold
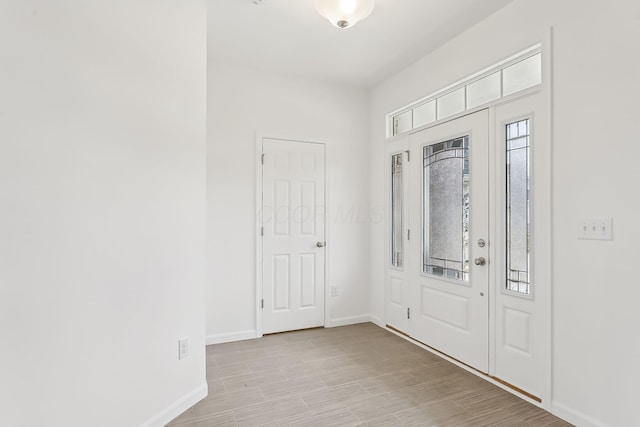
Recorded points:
(398,331)
(516,389)
(469,367)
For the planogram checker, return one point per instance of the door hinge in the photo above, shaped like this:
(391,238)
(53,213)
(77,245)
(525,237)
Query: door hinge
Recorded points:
(408,155)
(262,231)
(408,234)
(262,159)
(262,303)
(408,313)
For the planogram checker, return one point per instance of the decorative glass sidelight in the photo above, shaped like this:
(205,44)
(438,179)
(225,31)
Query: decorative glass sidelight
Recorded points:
(446,209)
(396,211)
(518,224)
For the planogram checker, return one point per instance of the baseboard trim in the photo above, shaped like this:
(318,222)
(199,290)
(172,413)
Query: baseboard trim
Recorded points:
(345,321)
(377,321)
(231,337)
(178,407)
(574,417)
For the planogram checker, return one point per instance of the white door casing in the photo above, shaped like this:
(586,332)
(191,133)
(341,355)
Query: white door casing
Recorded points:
(397,290)
(449,314)
(293,235)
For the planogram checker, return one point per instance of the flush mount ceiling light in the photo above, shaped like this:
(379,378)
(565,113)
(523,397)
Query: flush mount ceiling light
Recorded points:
(344,13)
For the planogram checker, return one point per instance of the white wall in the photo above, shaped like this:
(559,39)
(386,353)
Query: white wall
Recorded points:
(102,209)
(595,152)
(243,101)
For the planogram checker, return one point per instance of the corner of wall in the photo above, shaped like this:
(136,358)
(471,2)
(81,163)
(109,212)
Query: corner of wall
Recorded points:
(345,321)
(376,320)
(178,407)
(574,416)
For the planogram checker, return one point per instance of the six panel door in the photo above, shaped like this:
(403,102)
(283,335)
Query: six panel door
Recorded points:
(293,218)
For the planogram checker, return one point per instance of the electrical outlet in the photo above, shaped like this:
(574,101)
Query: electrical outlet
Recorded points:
(334,290)
(596,229)
(183,348)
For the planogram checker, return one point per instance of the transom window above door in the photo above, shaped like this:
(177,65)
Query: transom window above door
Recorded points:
(512,75)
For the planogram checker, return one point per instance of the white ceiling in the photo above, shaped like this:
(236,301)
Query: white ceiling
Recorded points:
(288,36)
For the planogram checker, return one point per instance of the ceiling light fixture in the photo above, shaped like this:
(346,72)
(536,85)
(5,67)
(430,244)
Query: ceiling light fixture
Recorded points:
(344,13)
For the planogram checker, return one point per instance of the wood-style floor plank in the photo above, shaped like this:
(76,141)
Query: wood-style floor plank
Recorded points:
(358,375)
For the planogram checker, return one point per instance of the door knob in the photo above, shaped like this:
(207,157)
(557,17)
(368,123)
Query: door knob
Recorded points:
(320,244)
(480,261)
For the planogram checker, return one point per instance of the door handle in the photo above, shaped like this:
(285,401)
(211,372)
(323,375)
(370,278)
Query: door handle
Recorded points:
(320,244)
(480,261)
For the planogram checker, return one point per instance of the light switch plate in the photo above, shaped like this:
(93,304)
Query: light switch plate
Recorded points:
(595,229)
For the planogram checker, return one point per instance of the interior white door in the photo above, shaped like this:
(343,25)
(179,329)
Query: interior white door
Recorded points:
(293,242)
(449,217)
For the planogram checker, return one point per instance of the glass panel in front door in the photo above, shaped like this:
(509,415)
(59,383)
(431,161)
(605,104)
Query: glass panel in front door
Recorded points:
(446,209)
(396,211)
(518,210)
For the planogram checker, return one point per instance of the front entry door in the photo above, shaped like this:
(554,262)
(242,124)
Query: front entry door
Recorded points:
(293,210)
(449,228)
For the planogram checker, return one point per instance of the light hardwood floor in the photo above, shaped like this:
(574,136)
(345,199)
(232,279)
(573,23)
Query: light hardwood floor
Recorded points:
(358,375)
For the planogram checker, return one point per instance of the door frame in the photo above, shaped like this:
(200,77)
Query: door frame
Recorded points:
(544,248)
(260,137)
(399,145)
